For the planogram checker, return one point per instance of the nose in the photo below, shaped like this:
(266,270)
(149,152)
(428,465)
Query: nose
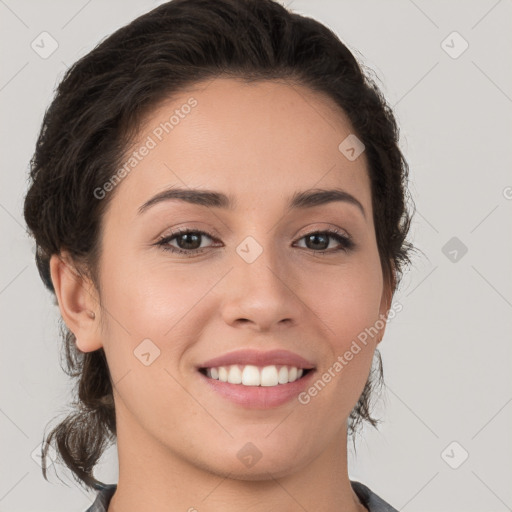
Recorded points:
(262,294)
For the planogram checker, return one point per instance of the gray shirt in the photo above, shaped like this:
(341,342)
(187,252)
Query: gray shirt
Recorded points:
(368,498)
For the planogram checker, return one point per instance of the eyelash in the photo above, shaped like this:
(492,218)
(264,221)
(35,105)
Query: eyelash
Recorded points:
(344,240)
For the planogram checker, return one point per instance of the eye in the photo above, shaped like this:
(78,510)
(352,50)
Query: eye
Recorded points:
(189,241)
(320,240)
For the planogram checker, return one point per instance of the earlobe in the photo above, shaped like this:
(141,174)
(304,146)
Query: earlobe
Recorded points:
(78,302)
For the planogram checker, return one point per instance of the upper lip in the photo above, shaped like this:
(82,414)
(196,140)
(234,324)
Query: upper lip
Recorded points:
(259,358)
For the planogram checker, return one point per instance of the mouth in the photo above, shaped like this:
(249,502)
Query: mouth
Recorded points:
(251,375)
(257,380)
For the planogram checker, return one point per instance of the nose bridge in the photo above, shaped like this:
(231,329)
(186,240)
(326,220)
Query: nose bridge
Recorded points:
(259,263)
(260,290)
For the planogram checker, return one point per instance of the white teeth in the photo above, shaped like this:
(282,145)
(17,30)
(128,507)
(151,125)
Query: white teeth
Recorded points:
(269,376)
(250,375)
(282,376)
(223,374)
(234,375)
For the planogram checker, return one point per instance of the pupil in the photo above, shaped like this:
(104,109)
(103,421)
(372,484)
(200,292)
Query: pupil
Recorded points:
(187,237)
(315,237)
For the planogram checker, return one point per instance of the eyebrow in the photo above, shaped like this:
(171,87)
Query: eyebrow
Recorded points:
(212,199)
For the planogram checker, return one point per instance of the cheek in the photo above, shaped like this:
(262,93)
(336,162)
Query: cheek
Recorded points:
(350,309)
(346,298)
(149,298)
(148,331)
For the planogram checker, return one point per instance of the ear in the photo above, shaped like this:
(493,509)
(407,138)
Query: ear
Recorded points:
(78,302)
(386,300)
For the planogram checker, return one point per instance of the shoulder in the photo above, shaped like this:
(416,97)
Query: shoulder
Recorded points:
(370,500)
(105,493)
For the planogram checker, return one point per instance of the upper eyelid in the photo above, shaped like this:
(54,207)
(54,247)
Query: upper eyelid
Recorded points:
(211,232)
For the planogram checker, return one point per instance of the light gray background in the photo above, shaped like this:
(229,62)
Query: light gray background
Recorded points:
(446,355)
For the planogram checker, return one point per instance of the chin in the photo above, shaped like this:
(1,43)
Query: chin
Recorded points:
(239,465)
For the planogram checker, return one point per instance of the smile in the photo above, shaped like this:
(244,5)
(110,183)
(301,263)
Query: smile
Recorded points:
(251,375)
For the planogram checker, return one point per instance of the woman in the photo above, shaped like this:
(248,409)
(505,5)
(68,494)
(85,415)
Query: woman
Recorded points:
(218,202)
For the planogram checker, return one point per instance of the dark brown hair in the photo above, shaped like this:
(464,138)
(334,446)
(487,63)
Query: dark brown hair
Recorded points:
(97,111)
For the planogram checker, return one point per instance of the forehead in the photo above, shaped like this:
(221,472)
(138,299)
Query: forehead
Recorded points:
(258,142)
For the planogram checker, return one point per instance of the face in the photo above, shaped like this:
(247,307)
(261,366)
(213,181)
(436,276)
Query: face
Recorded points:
(259,283)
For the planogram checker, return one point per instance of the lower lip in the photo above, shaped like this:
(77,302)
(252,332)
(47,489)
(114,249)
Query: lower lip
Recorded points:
(259,397)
